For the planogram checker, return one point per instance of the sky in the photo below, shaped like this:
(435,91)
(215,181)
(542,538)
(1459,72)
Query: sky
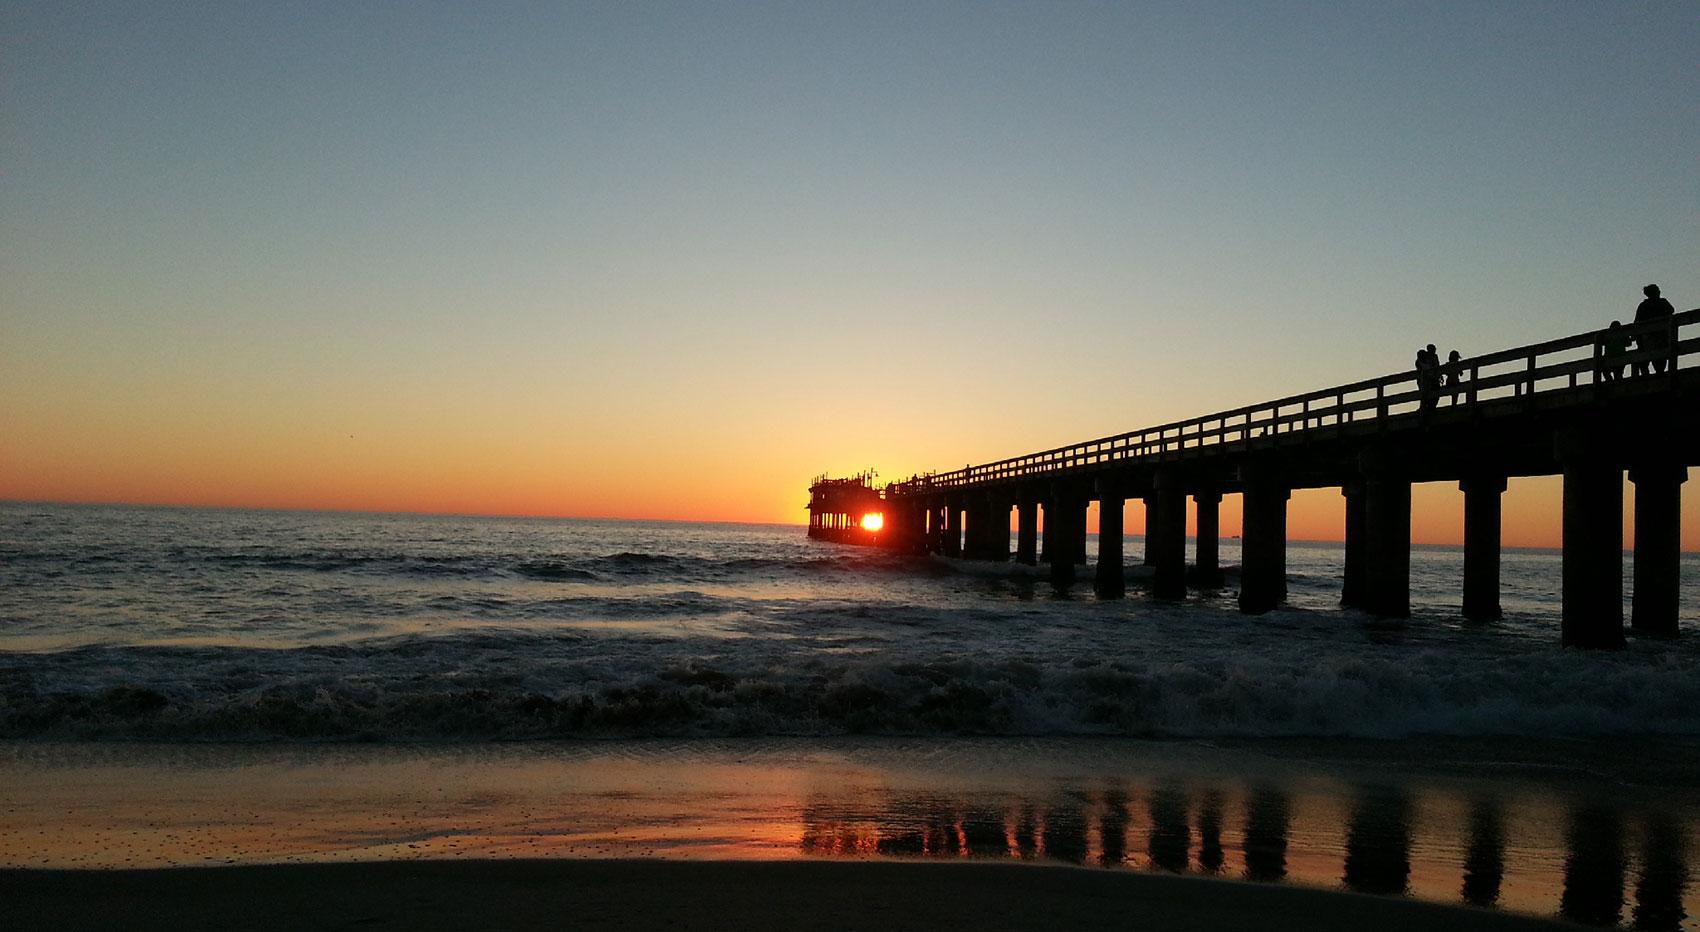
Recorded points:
(672,260)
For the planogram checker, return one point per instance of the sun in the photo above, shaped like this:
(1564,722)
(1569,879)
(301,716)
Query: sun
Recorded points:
(873,521)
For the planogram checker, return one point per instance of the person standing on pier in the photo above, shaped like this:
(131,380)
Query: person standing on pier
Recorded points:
(1653,308)
(1428,377)
(1453,373)
(1613,348)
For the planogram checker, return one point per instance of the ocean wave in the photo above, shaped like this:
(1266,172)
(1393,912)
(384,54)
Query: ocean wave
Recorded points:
(481,687)
(619,566)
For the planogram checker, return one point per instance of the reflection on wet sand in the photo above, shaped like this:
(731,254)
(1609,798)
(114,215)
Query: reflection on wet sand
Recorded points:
(1192,829)
(1594,867)
(1065,831)
(1170,838)
(1664,875)
(1210,831)
(1484,860)
(1266,821)
(1378,842)
(1112,828)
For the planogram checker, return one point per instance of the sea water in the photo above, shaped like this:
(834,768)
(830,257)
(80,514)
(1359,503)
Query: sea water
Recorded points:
(154,623)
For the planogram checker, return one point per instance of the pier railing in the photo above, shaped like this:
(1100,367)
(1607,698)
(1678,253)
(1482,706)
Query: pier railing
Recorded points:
(1527,372)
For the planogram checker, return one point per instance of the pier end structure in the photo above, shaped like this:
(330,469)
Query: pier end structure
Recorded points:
(848,510)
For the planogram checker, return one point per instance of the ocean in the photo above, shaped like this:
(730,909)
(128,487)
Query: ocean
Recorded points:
(185,687)
(154,623)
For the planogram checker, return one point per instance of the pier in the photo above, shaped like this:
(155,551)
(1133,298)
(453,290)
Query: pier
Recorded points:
(1546,409)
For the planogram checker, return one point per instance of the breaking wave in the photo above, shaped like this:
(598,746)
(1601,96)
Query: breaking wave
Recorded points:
(514,686)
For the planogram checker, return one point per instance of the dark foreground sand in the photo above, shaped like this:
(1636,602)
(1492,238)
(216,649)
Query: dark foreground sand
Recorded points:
(693,895)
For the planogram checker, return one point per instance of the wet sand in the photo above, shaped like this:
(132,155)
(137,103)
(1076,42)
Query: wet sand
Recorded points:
(1588,832)
(719,895)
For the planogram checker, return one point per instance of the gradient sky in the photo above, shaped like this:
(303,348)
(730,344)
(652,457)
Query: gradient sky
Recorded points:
(652,260)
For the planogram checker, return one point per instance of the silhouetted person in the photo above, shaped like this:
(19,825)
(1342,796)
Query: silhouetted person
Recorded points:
(1593,867)
(1484,859)
(1614,346)
(1170,836)
(1378,842)
(1210,831)
(1664,876)
(1453,373)
(1428,378)
(1266,820)
(1656,342)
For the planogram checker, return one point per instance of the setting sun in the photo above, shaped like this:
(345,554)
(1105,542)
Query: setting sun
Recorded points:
(873,521)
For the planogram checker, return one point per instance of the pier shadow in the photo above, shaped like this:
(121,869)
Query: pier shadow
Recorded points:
(1378,842)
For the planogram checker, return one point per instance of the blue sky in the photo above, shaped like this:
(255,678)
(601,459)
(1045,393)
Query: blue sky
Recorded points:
(690,228)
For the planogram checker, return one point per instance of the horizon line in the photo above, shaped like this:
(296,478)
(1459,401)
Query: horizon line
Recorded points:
(281,509)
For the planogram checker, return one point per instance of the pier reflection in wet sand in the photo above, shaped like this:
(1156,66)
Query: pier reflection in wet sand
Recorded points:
(1484,859)
(1389,841)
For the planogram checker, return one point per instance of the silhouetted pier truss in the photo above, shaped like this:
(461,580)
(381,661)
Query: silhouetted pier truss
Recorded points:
(1547,409)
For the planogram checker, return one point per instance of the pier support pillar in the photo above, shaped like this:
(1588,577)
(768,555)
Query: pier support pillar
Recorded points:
(1027,530)
(1263,539)
(996,541)
(917,527)
(1593,542)
(1481,546)
(976,514)
(1109,580)
(1658,547)
(1149,500)
(1078,516)
(953,517)
(1165,536)
(1065,532)
(1387,533)
(1355,584)
(1207,563)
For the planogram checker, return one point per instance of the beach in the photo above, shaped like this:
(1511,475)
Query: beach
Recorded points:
(645,895)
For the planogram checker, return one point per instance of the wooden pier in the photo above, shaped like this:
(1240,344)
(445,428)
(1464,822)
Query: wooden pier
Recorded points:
(1546,409)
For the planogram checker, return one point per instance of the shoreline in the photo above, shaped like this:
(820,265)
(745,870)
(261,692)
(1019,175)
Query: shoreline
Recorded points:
(1538,829)
(703,895)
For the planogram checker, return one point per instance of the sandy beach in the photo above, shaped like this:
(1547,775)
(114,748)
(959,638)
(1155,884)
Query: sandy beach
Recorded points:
(626,894)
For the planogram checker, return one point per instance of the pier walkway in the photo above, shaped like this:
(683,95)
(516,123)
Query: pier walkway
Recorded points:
(1546,409)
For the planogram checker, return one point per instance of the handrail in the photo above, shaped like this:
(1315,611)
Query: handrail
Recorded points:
(1243,424)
